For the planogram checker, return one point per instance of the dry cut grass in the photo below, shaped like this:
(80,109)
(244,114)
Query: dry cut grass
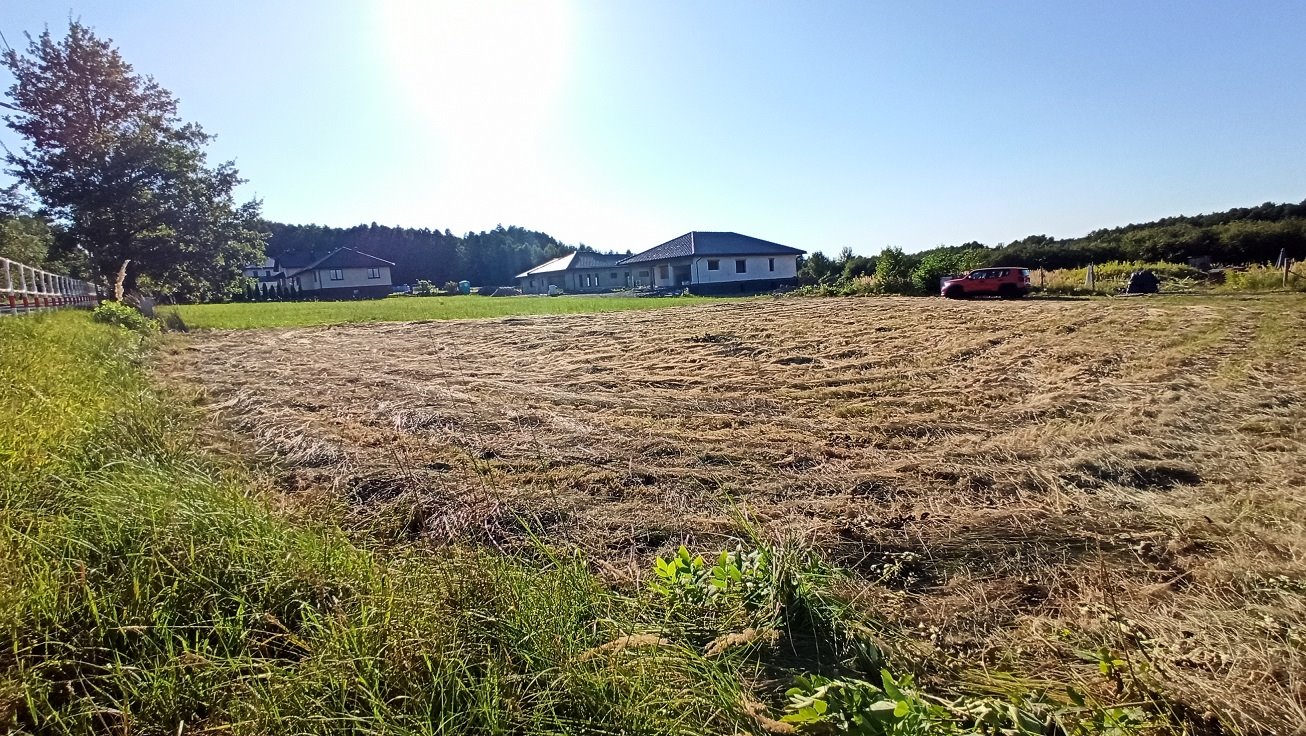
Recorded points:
(1015,484)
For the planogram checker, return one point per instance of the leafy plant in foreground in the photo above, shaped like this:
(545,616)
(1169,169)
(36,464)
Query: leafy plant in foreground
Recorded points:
(117,313)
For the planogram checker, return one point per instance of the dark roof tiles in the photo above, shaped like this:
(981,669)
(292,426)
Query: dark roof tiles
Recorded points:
(347,258)
(711,244)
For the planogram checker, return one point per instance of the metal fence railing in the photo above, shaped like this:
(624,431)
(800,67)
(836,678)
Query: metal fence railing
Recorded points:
(27,289)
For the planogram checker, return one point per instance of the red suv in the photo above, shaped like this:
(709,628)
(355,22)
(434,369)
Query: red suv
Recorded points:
(1006,282)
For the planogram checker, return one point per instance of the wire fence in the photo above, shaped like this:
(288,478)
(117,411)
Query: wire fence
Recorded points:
(25,289)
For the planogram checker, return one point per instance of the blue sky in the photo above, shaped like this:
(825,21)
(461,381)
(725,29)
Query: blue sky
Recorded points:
(821,125)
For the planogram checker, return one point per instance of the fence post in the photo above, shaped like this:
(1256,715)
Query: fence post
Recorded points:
(9,287)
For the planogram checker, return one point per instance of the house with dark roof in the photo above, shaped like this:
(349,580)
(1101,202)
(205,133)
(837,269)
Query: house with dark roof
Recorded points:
(343,274)
(715,263)
(579,272)
(269,271)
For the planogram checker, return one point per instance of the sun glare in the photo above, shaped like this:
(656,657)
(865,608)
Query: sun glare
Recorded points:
(485,76)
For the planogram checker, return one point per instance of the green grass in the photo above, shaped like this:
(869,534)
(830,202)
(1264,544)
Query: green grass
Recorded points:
(403,309)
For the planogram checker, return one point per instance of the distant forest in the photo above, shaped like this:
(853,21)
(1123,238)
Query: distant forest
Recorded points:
(1238,236)
(489,258)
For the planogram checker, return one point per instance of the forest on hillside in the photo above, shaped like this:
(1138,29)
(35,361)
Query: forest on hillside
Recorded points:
(1243,235)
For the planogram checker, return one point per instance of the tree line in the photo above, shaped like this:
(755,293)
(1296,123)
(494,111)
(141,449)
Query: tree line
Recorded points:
(488,258)
(1238,236)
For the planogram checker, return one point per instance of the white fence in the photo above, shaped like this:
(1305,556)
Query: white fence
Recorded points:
(27,289)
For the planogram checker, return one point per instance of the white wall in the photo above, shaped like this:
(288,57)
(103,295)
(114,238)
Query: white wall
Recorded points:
(758,268)
(599,279)
(353,278)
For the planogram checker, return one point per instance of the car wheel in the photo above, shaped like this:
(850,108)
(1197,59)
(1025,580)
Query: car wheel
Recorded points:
(1008,292)
(954,292)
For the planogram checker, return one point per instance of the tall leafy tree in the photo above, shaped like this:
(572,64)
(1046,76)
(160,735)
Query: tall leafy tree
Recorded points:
(121,173)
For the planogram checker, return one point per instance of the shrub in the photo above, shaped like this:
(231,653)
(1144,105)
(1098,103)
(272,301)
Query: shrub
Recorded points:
(1262,278)
(893,271)
(172,321)
(117,313)
(451,288)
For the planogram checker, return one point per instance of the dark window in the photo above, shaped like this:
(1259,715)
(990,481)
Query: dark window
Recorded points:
(713,265)
(643,274)
(337,275)
(770,263)
(741,266)
(374,273)
(664,272)
(614,275)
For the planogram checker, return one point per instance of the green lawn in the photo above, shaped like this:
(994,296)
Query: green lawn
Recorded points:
(400,309)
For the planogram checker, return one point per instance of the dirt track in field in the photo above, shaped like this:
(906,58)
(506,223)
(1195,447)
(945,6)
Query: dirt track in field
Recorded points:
(987,465)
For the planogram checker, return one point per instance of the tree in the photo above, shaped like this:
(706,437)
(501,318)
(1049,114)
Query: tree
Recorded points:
(817,268)
(121,174)
(893,271)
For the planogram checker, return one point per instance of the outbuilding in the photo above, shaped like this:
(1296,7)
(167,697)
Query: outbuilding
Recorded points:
(579,272)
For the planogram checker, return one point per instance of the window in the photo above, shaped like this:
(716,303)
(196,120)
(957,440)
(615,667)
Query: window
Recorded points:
(614,275)
(770,264)
(741,266)
(374,273)
(664,272)
(643,274)
(337,275)
(713,264)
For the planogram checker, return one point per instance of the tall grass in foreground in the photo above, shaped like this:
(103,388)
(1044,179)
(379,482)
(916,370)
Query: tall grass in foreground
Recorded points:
(143,589)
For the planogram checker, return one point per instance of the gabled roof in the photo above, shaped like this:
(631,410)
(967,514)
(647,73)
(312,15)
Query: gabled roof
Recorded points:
(711,244)
(575,261)
(295,261)
(346,258)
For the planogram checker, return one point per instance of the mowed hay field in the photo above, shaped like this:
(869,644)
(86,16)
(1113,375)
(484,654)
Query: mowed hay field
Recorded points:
(1012,484)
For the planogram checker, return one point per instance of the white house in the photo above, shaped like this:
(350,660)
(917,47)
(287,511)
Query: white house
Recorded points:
(268,270)
(344,274)
(577,272)
(715,263)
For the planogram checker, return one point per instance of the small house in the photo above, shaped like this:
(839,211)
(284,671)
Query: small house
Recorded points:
(715,263)
(344,274)
(579,272)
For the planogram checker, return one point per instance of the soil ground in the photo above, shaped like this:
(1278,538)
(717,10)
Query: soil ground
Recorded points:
(999,476)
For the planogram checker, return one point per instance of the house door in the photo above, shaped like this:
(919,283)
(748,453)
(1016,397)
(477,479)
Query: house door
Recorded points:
(681,274)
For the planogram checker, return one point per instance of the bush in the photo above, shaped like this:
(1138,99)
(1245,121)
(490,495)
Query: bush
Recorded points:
(893,272)
(451,288)
(1262,278)
(117,313)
